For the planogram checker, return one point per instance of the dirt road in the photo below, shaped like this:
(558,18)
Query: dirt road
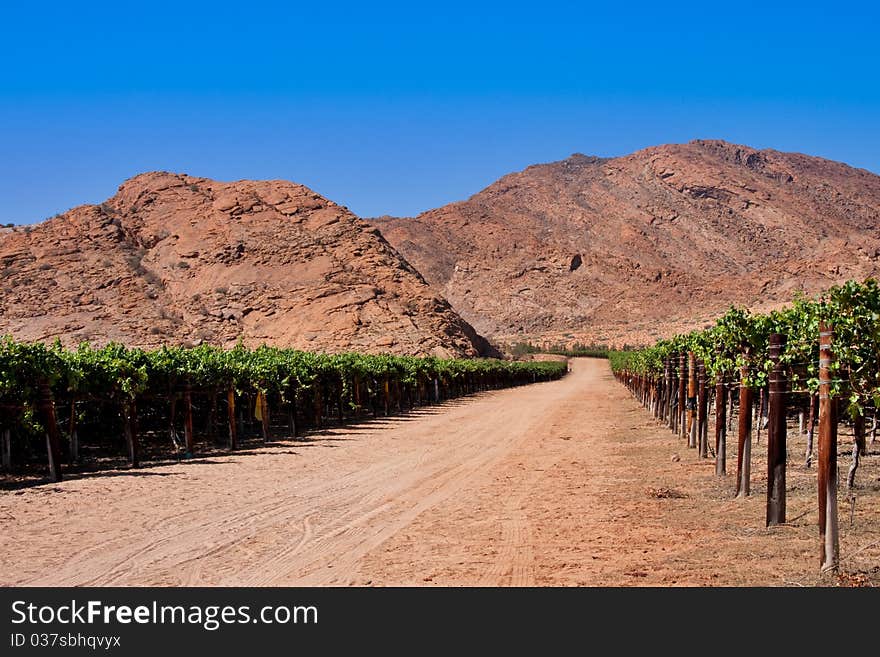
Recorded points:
(550,484)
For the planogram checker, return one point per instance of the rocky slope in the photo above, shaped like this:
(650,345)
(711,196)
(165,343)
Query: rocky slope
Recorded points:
(177,259)
(632,248)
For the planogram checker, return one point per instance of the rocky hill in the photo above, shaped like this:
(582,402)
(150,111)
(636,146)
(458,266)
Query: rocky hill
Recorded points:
(636,247)
(177,259)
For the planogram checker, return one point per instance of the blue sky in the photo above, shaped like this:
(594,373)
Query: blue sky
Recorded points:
(395,108)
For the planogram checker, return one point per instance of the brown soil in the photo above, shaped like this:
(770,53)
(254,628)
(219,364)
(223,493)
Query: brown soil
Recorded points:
(564,483)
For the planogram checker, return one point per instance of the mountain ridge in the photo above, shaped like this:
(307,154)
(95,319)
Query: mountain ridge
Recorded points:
(172,258)
(630,248)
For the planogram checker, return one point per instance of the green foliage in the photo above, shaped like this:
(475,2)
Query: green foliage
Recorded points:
(116,372)
(740,338)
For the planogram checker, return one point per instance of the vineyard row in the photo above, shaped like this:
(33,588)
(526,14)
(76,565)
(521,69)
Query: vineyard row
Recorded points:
(58,405)
(818,356)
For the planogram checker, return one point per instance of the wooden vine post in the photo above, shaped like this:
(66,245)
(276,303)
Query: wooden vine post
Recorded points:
(53,440)
(188,421)
(654,386)
(291,417)
(702,412)
(172,414)
(692,400)
(242,427)
(674,414)
(318,406)
(340,411)
(776,434)
(263,400)
(6,458)
(230,418)
(730,401)
(667,378)
(129,411)
(682,395)
(211,426)
(73,436)
(720,426)
(828,526)
(744,434)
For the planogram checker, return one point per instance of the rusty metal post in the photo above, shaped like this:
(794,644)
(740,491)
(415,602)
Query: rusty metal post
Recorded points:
(776,434)
(828,526)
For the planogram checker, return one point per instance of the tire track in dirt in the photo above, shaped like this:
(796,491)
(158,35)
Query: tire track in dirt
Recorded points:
(352,535)
(174,530)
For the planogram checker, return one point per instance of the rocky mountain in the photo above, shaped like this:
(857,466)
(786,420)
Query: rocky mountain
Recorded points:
(176,259)
(633,248)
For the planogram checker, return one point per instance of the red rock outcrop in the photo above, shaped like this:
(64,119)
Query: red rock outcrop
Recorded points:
(177,259)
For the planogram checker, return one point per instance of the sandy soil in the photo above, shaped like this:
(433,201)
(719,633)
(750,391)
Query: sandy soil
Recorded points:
(551,484)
